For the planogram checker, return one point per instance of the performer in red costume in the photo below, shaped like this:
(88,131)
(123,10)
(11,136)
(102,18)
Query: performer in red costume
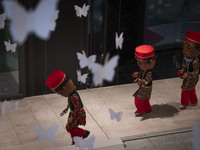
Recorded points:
(145,57)
(190,69)
(59,82)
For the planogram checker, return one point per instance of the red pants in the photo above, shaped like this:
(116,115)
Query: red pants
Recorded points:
(188,96)
(143,106)
(76,132)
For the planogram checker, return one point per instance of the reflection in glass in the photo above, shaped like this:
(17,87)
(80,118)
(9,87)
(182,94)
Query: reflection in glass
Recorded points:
(168,21)
(9,71)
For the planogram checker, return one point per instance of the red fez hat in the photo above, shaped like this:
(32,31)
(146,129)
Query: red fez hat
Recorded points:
(56,80)
(193,36)
(144,51)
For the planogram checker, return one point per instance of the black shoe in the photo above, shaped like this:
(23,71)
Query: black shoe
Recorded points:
(194,104)
(182,107)
(137,114)
(86,134)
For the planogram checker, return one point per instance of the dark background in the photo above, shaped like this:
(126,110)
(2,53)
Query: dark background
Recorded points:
(73,34)
(141,21)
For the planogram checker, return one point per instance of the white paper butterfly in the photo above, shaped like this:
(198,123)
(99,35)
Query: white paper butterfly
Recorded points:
(81,78)
(40,21)
(114,115)
(48,134)
(119,40)
(84,143)
(105,72)
(196,136)
(85,61)
(81,11)
(10,47)
(2,21)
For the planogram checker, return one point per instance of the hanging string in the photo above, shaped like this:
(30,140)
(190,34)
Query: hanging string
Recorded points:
(119,21)
(45,63)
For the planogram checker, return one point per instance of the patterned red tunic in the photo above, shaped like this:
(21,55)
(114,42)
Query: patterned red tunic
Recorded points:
(77,111)
(192,70)
(145,85)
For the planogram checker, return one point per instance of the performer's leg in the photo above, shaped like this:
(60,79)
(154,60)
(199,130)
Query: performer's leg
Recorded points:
(193,97)
(76,132)
(139,105)
(73,129)
(147,106)
(185,99)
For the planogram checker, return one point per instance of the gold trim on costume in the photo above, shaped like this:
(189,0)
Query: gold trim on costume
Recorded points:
(192,40)
(144,57)
(59,83)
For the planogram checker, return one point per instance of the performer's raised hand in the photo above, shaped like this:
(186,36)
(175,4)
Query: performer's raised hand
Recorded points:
(135,80)
(180,74)
(64,111)
(135,74)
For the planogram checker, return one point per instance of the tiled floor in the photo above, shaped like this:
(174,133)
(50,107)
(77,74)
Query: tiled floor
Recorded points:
(17,130)
(179,141)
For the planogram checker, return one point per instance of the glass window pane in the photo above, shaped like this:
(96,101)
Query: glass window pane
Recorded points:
(9,70)
(167,21)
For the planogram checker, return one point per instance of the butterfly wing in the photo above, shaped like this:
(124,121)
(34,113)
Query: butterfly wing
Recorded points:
(109,68)
(83,60)
(76,140)
(79,142)
(78,11)
(91,60)
(2,21)
(3,108)
(9,106)
(81,78)
(119,40)
(41,134)
(51,132)
(78,75)
(112,114)
(84,77)
(85,10)
(196,136)
(97,71)
(18,20)
(116,40)
(119,116)
(54,17)
(8,45)
(45,21)
(12,105)
(90,142)
(13,47)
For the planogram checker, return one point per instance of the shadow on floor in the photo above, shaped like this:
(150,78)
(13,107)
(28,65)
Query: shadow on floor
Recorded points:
(162,111)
